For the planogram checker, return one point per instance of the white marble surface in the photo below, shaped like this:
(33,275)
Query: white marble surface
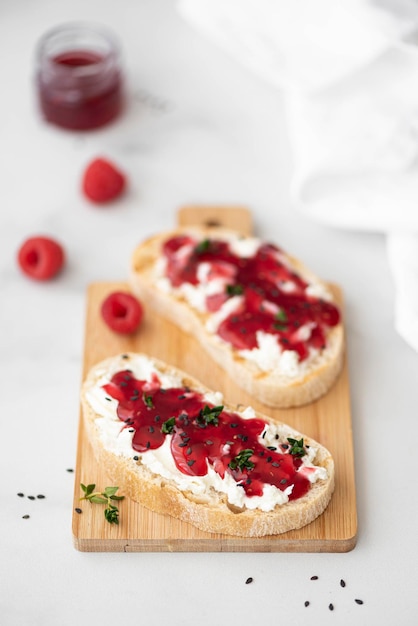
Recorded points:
(199,129)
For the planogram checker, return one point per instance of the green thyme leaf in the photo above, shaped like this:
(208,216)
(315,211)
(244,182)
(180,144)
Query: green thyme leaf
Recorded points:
(98,500)
(203,246)
(281,320)
(209,415)
(234,290)
(297,447)
(278,326)
(111,513)
(168,426)
(148,401)
(242,460)
(281,316)
(88,489)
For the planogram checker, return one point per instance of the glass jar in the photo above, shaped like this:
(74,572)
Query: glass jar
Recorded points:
(79,76)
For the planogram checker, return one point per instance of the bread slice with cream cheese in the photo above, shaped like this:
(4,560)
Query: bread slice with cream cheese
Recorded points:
(175,447)
(266,319)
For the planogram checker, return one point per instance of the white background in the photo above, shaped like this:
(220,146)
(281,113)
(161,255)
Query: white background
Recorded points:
(199,129)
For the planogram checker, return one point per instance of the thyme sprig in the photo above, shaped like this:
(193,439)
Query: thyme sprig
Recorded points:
(167,427)
(148,401)
(242,460)
(111,512)
(297,447)
(281,320)
(209,415)
(202,247)
(234,290)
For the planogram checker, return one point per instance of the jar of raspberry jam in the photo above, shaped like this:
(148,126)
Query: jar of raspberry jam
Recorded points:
(79,76)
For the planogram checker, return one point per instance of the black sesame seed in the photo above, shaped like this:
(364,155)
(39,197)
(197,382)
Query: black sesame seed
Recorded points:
(136,458)
(276,436)
(249,580)
(314,577)
(25,516)
(31,497)
(190,462)
(307,602)
(357,601)
(108,399)
(40,496)
(77,510)
(70,470)
(189,451)
(264,434)
(21,495)
(157,418)
(269,459)
(148,445)
(151,429)
(131,430)
(283,482)
(182,396)
(342,582)
(234,425)
(331,607)
(272,448)
(183,444)
(275,464)
(124,356)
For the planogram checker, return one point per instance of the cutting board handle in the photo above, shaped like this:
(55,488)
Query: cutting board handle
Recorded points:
(234,217)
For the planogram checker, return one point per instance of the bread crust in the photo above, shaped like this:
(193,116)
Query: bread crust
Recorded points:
(209,513)
(270,388)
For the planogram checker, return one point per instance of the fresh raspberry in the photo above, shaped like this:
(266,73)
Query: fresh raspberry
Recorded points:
(41,258)
(122,312)
(102,181)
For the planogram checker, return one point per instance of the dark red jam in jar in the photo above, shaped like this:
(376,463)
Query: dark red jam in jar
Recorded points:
(79,77)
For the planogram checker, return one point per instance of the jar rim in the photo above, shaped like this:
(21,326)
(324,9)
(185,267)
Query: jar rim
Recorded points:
(111,54)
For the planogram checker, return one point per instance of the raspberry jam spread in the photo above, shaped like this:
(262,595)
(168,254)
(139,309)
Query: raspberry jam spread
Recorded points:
(273,297)
(203,434)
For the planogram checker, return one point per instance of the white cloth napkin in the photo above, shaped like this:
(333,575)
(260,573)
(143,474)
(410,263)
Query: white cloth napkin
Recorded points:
(349,69)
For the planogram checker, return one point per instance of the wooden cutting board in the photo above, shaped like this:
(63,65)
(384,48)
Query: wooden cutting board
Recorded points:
(328,420)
